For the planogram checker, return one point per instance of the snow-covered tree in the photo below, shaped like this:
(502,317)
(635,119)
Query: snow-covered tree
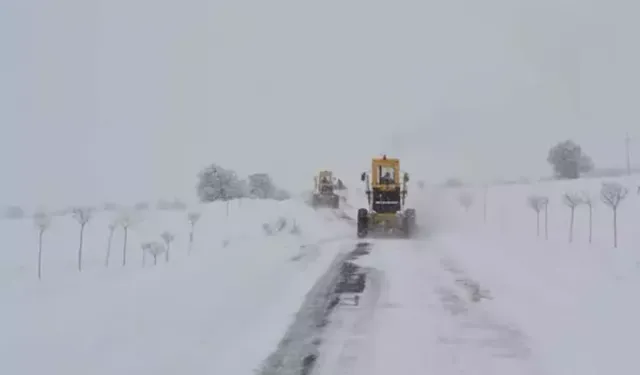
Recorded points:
(466,200)
(568,160)
(144,246)
(193,218)
(219,184)
(179,205)
(82,215)
(586,199)
(538,203)
(110,206)
(168,238)
(453,182)
(612,193)
(42,220)
(175,205)
(112,228)
(154,248)
(572,201)
(126,220)
(142,206)
(14,212)
(261,186)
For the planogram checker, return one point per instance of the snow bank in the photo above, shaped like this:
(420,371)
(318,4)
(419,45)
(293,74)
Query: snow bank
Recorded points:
(223,309)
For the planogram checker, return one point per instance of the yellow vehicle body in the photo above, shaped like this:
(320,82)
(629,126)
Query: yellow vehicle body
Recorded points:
(386,192)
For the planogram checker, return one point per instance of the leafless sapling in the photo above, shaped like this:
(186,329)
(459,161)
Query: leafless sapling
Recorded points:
(127,220)
(168,238)
(572,201)
(145,248)
(545,204)
(112,228)
(193,218)
(83,216)
(466,200)
(611,194)
(586,199)
(42,221)
(154,248)
(535,202)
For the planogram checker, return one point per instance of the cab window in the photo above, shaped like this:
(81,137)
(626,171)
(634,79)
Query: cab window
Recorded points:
(386,175)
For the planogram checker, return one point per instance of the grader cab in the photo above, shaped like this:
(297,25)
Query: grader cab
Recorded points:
(386,190)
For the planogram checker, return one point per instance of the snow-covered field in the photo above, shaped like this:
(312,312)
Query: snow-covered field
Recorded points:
(494,298)
(578,302)
(222,309)
(469,295)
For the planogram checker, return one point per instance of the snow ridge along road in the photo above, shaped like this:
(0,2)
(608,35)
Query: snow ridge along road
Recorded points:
(420,312)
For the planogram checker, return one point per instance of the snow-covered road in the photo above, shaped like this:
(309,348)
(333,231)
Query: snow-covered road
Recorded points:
(420,313)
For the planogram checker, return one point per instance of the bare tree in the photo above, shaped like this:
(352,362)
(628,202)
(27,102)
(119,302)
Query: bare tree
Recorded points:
(154,248)
(83,216)
(545,203)
(586,199)
(145,248)
(572,201)
(168,238)
(193,218)
(466,200)
(112,228)
(537,203)
(127,220)
(612,193)
(42,221)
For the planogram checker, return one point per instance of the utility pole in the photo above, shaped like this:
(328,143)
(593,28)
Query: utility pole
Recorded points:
(627,140)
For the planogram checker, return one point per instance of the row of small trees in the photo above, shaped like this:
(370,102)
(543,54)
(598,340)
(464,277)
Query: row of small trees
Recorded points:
(125,220)
(611,195)
(215,183)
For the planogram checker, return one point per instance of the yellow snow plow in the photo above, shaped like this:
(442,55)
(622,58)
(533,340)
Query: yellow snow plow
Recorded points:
(324,194)
(386,194)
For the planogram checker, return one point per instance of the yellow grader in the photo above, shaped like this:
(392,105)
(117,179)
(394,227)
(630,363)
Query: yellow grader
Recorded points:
(324,194)
(386,195)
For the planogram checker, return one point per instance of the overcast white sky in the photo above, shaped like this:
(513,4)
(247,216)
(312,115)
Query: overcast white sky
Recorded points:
(127,99)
